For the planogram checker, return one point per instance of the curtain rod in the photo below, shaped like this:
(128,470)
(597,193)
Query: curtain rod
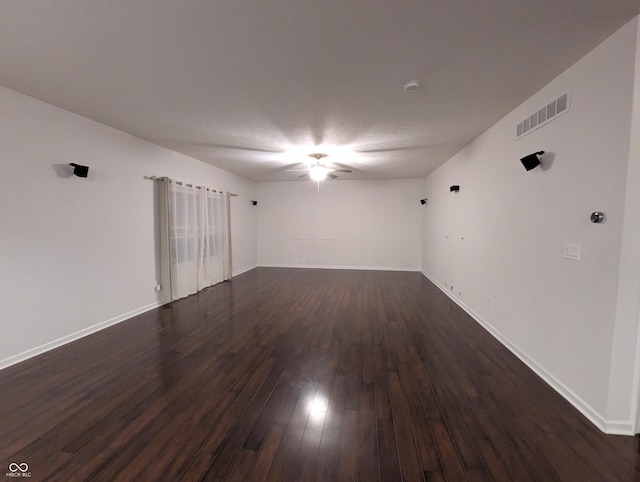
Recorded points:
(180,183)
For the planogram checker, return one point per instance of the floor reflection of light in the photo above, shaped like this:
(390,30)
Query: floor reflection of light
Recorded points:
(318,408)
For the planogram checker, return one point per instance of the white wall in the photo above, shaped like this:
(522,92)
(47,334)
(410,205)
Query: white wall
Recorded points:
(559,315)
(626,341)
(77,253)
(348,224)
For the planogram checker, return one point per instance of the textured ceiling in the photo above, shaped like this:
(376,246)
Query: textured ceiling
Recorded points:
(253,87)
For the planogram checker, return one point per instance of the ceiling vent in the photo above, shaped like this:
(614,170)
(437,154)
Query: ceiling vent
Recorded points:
(543,116)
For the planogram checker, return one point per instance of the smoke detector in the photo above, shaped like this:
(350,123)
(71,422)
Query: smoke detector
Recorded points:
(411,85)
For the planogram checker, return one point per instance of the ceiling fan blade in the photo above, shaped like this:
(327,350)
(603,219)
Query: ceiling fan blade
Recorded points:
(294,165)
(340,165)
(342,170)
(391,149)
(295,170)
(332,176)
(304,175)
(212,145)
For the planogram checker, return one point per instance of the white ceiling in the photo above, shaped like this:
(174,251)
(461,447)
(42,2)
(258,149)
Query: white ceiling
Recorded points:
(255,86)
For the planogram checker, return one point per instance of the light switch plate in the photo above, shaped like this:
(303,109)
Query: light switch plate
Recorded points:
(572,251)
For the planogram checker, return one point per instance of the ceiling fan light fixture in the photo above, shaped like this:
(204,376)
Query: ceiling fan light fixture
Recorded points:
(318,172)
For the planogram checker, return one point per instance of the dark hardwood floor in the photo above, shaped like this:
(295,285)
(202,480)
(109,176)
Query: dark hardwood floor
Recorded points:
(294,375)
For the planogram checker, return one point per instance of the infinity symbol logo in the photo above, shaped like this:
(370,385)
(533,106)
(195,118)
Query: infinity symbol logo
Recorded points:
(23,467)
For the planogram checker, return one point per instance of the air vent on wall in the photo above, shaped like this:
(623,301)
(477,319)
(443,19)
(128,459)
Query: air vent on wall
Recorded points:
(543,116)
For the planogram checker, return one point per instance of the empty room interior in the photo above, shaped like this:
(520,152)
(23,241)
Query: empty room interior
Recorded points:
(320,240)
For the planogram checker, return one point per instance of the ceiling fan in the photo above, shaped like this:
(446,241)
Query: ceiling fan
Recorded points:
(318,171)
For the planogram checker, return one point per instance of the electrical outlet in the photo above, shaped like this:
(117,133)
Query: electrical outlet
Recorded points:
(157,287)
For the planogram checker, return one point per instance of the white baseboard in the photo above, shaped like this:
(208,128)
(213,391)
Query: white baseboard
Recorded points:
(244,270)
(361,268)
(25,355)
(619,427)
(614,427)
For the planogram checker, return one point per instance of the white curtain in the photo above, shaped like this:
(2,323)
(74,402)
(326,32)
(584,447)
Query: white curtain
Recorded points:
(193,238)
(214,250)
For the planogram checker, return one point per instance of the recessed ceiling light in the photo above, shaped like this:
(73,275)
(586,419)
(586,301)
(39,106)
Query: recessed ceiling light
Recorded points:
(411,85)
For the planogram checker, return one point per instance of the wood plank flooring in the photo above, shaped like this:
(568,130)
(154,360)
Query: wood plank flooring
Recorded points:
(299,375)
